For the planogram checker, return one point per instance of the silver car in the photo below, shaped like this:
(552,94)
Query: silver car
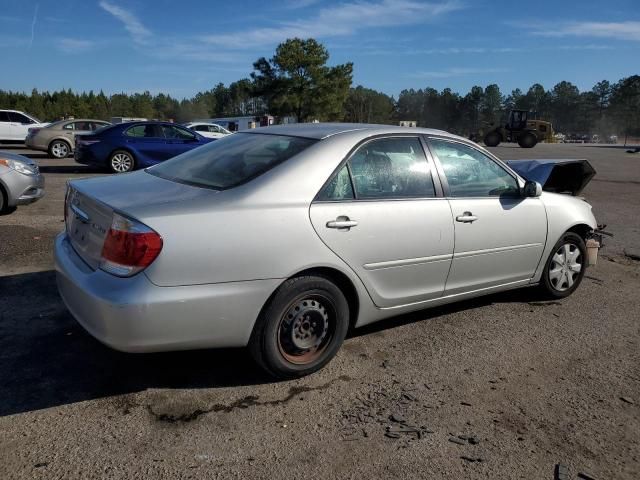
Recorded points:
(21,182)
(282,238)
(58,138)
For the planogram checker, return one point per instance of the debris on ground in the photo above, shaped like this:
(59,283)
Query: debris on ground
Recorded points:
(457,440)
(627,400)
(561,472)
(632,255)
(471,459)
(585,476)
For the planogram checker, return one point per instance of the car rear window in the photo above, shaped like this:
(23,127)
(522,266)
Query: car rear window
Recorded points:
(230,161)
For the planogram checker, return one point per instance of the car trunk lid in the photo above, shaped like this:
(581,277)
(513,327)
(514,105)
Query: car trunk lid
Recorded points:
(87,224)
(92,202)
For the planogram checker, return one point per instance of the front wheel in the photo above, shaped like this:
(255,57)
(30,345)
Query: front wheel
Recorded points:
(301,328)
(527,140)
(121,161)
(492,139)
(565,266)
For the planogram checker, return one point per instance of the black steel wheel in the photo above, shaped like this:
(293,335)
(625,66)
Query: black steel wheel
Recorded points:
(492,139)
(301,328)
(527,140)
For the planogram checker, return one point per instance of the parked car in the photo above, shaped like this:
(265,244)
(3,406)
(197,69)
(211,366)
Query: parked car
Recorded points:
(58,138)
(209,130)
(14,125)
(20,181)
(127,146)
(282,238)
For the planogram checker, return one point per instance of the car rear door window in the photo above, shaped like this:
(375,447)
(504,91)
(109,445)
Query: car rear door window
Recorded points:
(470,173)
(4,117)
(339,188)
(144,131)
(391,168)
(82,126)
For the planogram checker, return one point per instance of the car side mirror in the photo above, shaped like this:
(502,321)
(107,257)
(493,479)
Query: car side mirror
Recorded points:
(532,189)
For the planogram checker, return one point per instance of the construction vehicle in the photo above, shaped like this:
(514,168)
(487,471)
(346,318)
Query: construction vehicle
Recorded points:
(520,128)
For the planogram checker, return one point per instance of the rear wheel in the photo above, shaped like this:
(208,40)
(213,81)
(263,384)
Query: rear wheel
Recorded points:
(492,139)
(121,161)
(301,328)
(565,266)
(527,140)
(59,149)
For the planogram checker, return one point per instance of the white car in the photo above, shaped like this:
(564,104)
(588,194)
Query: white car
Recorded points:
(15,125)
(209,130)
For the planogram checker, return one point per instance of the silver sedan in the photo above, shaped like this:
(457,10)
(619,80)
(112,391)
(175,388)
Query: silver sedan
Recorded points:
(20,181)
(282,238)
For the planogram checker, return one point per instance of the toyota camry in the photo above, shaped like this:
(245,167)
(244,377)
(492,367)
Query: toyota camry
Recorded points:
(283,238)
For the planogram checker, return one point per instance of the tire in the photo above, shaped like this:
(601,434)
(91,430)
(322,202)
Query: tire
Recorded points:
(3,200)
(492,139)
(121,161)
(301,328)
(560,277)
(527,140)
(59,149)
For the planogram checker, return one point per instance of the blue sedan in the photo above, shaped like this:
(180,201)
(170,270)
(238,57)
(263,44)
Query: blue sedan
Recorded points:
(127,146)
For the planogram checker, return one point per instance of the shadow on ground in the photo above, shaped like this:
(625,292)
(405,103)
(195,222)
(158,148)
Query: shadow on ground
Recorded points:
(47,359)
(69,169)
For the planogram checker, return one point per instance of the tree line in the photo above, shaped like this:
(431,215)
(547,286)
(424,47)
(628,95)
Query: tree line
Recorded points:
(297,82)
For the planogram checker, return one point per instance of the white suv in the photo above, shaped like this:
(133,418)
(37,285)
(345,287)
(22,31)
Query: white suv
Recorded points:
(209,130)
(15,125)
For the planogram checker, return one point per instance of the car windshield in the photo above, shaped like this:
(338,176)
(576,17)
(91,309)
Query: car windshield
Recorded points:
(230,161)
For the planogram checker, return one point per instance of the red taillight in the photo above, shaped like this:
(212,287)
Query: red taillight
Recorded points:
(33,130)
(129,247)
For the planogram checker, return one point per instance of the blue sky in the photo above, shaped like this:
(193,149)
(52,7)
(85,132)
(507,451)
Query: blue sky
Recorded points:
(184,47)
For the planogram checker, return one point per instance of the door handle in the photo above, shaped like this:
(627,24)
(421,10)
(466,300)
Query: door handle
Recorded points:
(466,217)
(342,222)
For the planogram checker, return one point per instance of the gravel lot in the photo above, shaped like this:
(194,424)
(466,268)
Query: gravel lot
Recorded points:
(502,387)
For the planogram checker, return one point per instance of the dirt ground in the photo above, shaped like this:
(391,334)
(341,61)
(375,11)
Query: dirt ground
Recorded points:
(502,387)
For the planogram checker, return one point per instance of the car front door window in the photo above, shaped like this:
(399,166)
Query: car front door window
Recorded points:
(470,173)
(175,133)
(19,118)
(391,168)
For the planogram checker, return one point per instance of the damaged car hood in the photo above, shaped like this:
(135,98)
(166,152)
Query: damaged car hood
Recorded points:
(556,175)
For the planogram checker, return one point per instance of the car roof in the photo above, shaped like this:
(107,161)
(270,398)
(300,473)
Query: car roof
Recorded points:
(149,122)
(60,122)
(324,130)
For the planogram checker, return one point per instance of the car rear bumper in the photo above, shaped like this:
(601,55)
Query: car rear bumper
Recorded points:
(35,144)
(86,156)
(22,189)
(134,315)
